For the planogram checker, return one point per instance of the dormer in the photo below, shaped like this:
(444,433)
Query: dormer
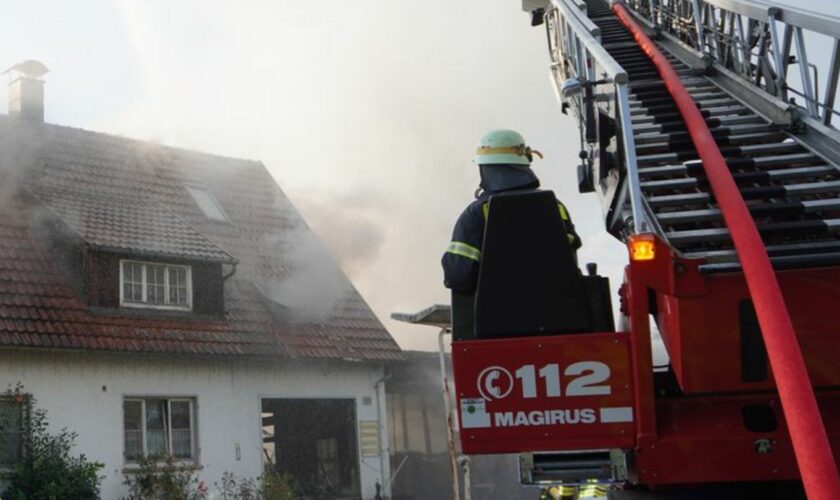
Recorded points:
(131,256)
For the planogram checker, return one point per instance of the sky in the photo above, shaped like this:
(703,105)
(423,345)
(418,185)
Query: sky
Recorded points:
(365,112)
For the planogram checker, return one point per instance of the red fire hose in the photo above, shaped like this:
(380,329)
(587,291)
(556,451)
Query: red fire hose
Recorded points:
(807,432)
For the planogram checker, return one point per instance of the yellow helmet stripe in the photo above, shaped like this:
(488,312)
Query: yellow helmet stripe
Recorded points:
(517,150)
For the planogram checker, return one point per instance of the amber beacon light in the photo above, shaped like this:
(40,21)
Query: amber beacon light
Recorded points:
(642,247)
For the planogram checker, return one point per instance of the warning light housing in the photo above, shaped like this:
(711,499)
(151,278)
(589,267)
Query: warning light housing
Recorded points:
(642,247)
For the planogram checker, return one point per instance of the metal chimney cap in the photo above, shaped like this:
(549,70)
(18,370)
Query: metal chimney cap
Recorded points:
(29,68)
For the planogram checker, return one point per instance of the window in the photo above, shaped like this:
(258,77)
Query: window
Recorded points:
(12,414)
(156,427)
(162,286)
(207,203)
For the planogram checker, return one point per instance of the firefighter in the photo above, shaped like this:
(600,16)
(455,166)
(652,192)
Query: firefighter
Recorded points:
(504,163)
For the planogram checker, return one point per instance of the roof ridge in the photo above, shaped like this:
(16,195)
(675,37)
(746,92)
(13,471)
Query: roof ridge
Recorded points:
(13,122)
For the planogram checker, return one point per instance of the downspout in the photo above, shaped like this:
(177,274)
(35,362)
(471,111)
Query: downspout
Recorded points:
(385,486)
(225,277)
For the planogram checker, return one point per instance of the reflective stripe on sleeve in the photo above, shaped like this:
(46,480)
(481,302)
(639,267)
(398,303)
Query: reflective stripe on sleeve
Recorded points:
(464,250)
(564,214)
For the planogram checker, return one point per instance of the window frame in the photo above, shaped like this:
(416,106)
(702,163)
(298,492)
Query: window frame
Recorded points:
(192,401)
(192,189)
(144,286)
(25,413)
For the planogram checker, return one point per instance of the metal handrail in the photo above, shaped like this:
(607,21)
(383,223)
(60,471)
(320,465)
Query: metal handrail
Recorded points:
(587,45)
(577,8)
(781,34)
(613,71)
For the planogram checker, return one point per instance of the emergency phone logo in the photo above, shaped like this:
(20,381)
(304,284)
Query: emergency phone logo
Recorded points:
(495,382)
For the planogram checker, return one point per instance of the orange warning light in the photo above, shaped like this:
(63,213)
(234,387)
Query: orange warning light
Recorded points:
(642,247)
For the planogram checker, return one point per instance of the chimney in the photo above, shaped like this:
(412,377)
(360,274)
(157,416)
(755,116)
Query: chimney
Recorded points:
(26,90)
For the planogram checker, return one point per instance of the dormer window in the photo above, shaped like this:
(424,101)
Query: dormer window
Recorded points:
(155,285)
(207,203)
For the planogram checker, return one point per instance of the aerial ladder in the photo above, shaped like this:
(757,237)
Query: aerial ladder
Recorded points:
(709,138)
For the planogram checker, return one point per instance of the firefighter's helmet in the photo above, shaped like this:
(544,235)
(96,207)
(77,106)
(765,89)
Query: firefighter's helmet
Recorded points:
(504,147)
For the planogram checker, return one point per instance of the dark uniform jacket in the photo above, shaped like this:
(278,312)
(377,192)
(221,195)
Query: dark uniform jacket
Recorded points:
(463,255)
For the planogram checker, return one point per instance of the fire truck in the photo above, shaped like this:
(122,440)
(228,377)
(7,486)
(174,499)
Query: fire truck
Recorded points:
(707,132)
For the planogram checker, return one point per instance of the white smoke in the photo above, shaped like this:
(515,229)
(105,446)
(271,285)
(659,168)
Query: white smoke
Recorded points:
(313,286)
(350,224)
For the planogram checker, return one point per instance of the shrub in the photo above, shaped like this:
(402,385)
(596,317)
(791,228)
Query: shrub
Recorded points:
(157,479)
(269,486)
(47,470)
(236,488)
(277,487)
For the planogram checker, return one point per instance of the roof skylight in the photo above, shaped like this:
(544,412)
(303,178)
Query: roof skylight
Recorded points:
(207,203)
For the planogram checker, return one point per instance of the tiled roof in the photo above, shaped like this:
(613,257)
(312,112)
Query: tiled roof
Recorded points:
(120,194)
(110,223)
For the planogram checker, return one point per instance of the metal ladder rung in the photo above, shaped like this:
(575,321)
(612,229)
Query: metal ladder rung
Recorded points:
(728,140)
(618,52)
(762,175)
(669,184)
(704,85)
(811,188)
(647,75)
(782,174)
(639,70)
(710,214)
(779,263)
(807,188)
(685,144)
(722,233)
(666,98)
(735,130)
(654,159)
(749,193)
(773,250)
(711,122)
(657,82)
(681,70)
(641,58)
(702,104)
(760,162)
(780,147)
(735,109)
(708,113)
(678,199)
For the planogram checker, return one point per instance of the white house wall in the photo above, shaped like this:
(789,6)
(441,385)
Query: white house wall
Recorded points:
(84,393)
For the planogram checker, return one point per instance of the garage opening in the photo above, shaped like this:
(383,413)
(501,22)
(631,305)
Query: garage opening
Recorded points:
(314,441)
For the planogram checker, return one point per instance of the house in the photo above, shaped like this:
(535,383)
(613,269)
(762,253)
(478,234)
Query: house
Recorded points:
(163,301)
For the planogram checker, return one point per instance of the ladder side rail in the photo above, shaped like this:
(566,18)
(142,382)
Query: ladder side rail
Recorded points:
(593,65)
